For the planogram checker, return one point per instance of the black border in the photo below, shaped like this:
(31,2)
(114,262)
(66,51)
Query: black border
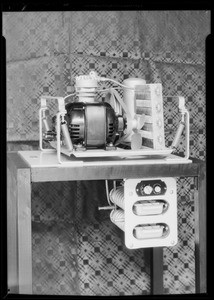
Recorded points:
(36,5)
(39,5)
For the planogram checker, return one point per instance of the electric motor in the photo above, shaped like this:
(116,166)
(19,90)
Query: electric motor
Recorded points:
(93,124)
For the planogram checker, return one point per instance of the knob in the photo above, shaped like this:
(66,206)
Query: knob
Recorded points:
(157,189)
(147,189)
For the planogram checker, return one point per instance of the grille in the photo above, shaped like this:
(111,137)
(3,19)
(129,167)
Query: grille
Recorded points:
(110,129)
(74,130)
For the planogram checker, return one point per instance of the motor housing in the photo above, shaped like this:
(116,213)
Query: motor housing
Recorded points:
(93,125)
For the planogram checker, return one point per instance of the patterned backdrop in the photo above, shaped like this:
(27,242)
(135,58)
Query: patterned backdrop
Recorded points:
(76,250)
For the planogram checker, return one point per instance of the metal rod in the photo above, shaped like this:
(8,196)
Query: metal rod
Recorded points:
(106,207)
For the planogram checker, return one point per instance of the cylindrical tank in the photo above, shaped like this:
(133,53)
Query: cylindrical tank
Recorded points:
(129,94)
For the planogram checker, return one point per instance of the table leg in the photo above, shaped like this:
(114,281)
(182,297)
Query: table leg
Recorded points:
(12,248)
(24,231)
(19,238)
(200,233)
(156,271)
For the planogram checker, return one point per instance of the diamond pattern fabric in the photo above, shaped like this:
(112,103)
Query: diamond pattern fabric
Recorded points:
(174,36)
(31,35)
(27,81)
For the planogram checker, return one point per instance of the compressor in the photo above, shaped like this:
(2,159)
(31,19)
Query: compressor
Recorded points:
(98,120)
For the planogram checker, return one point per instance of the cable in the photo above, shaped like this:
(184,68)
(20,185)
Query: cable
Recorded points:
(103,90)
(107,192)
(69,95)
(115,184)
(108,89)
(114,81)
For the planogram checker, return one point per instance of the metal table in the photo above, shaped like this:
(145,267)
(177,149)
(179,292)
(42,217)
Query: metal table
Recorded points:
(26,167)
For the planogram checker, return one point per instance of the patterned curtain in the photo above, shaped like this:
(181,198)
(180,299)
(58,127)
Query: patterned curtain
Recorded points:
(76,250)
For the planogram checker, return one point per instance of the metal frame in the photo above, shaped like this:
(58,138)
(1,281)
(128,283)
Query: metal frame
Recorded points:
(91,153)
(21,174)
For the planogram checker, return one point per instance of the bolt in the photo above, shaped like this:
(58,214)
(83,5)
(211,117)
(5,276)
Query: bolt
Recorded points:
(158,107)
(130,193)
(159,123)
(160,139)
(157,91)
(131,246)
(172,242)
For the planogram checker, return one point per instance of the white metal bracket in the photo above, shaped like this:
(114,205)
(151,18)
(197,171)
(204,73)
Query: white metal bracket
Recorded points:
(142,217)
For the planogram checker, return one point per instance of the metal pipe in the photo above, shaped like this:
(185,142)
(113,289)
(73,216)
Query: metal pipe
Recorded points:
(178,135)
(66,135)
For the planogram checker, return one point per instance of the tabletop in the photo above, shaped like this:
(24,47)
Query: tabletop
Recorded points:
(45,167)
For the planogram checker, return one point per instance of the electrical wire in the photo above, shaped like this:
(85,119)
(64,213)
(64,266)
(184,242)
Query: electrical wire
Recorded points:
(103,90)
(114,81)
(107,192)
(69,95)
(108,89)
